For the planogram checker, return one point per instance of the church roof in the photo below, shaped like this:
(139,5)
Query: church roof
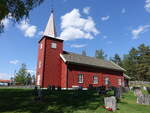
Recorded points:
(73,58)
(50,29)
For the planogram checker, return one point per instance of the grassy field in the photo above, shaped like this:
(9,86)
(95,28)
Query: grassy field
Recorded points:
(22,101)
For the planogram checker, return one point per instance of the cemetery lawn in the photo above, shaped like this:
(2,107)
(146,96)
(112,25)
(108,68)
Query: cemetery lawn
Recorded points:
(22,101)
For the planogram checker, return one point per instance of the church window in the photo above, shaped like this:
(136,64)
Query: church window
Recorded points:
(39,64)
(53,45)
(41,46)
(106,80)
(80,78)
(95,79)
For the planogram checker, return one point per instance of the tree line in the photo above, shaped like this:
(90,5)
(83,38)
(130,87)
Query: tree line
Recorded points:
(23,77)
(136,62)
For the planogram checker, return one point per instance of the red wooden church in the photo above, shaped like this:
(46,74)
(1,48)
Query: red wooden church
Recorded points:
(67,70)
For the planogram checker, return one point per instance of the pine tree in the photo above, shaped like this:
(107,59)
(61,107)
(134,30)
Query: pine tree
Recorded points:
(116,59)
(100,54)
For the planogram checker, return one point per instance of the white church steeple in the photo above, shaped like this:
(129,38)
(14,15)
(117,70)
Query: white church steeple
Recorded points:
(50,30)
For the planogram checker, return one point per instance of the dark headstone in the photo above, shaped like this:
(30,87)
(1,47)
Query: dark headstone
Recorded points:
(90,87)
(49,88)
(59,88)
(117,93)
(148,89)
(125,89)
(53,88)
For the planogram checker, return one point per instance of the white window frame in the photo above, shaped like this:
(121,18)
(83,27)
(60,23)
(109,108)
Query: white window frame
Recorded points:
(40,64)
(95,79)
(106,80)
(38,79)
(41,46)
(80,78)
(53,45)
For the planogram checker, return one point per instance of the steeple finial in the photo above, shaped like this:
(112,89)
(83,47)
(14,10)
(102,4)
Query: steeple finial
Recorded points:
(50,28)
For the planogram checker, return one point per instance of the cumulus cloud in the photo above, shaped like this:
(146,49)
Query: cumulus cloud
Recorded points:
(5,76)
(78,45)
(31,71)
(14,62)
(7,20)
(123,11)
(75,27)
(147,5)
(27,29)
(105,18)
(86,10)
(140,30)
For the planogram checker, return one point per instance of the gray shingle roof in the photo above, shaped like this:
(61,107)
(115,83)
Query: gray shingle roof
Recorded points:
(89,61)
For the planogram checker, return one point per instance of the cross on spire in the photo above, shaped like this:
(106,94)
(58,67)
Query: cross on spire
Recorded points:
(50,29)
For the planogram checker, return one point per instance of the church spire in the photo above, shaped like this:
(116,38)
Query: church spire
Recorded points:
(50,28)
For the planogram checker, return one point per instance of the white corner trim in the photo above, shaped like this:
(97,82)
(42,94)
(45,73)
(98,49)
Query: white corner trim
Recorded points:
(63,58)
(117,65)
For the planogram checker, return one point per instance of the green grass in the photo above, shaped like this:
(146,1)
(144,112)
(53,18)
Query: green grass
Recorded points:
(22,101)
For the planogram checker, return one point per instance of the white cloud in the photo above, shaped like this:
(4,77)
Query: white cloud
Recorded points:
(14,62)
(5,76)
(75,27)
(78,45)
(147,5)
(86,10)
(105,18)
(31,71)
(7,20)
(40,33)
(123,11)
(140,30)
(29,30)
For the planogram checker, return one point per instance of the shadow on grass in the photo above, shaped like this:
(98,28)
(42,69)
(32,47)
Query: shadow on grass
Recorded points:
(19,100)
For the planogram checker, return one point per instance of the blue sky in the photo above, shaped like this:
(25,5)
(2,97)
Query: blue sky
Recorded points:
(115,26)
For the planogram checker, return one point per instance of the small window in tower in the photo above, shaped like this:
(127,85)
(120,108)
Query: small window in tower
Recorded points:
(41,46)
(39,64)
(53,45)
(38,79)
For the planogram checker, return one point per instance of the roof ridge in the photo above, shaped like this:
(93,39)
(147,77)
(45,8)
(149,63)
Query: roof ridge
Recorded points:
(117,65)
(87,56)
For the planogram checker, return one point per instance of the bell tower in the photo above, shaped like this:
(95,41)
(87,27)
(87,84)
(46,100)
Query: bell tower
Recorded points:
(48,72)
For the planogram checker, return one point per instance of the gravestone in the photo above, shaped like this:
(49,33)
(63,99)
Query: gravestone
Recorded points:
(138,92)
(125,89)
(144,88)
(148,89)
(110,103)
(144,99)
(117,93)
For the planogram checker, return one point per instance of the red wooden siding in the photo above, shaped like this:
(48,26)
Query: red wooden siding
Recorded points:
(41,54)
(64,75)
(88,74)
(51,65)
